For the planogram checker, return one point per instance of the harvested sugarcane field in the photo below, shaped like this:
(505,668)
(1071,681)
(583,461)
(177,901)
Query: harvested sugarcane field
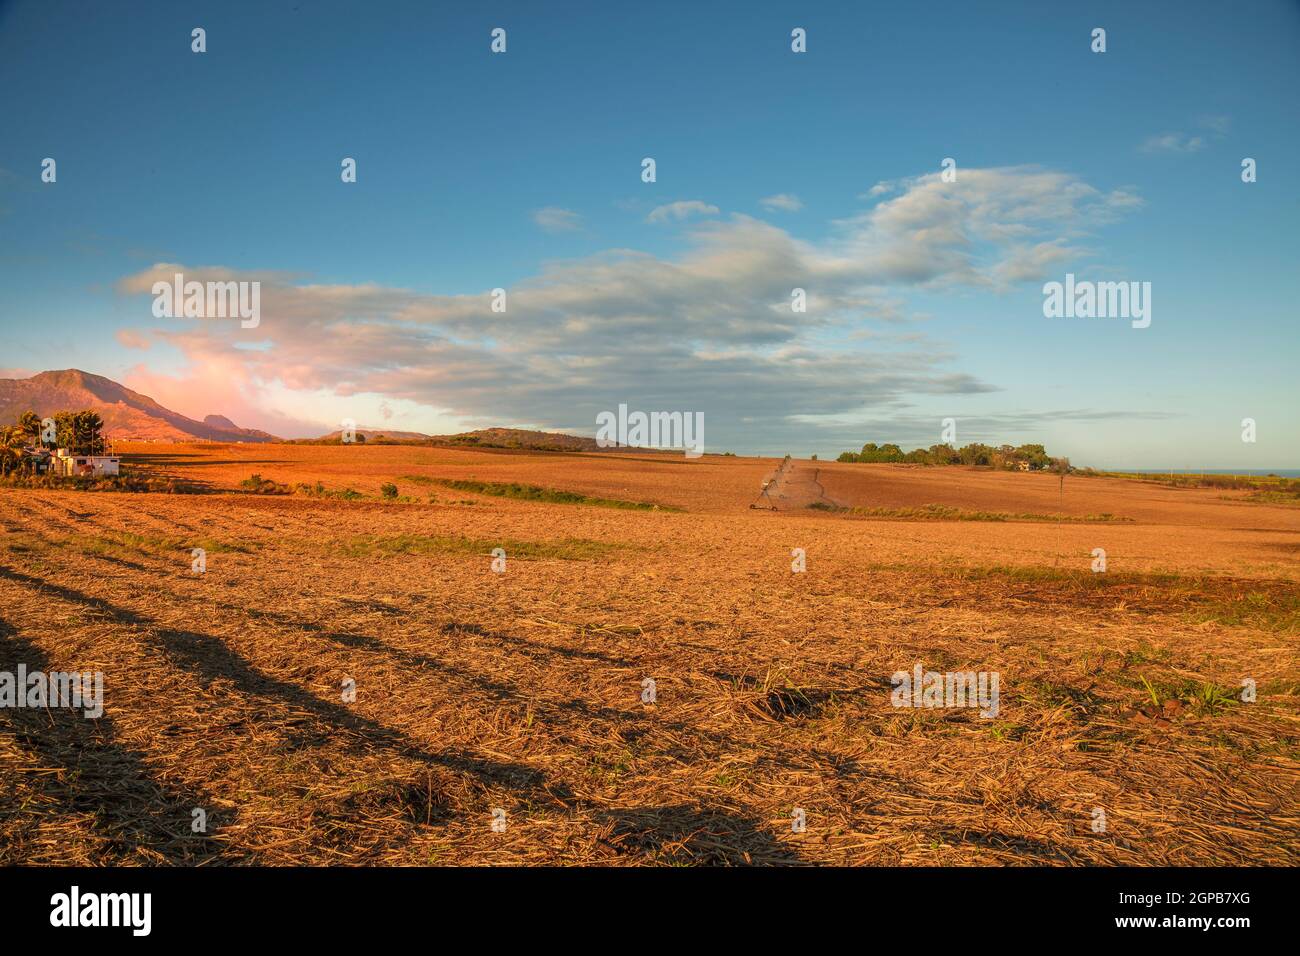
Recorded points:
(485,464)
(626,658)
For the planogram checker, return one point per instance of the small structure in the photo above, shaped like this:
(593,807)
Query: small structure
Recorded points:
(87,466)
(40,458)
(1022,465)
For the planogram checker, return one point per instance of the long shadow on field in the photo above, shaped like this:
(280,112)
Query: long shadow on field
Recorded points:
(632,724)
(636,723)
(178,461)
(508,691)
(695,835)
(133,812)
(210,659)
(674,834)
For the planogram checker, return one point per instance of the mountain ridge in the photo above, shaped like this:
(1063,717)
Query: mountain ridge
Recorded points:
(132,416)
(127,414)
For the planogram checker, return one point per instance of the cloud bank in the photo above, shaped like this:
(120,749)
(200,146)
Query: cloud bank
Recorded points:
(710,330)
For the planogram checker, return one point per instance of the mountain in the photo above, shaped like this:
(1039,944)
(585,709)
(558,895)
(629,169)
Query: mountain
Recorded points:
(126,414)
(129,415)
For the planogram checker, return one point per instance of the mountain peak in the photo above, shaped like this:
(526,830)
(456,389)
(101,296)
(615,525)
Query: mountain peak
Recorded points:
(126,414)
(69,376)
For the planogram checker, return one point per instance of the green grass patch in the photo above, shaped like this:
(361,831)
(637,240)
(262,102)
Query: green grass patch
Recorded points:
(1277,612)
(1288,498)
(1274,483)
(127,543)
(1203,698)
(946,513)
(498,489)
(564,549)
(319,490)
(1272,606)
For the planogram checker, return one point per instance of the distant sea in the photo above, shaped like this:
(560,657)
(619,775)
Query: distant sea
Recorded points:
(1280,472)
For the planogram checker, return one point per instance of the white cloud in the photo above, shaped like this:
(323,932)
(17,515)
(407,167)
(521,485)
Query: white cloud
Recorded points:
(555,219)
(975,231)
(1180,142)
(708,330)
(1173,143)
(785,202)
(682,209)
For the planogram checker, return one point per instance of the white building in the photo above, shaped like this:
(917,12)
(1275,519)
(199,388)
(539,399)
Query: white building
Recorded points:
(90,466)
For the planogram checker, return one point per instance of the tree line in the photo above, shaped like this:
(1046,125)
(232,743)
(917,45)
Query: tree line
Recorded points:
(976,453)
(81,433)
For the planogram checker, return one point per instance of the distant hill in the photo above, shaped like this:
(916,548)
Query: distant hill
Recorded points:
(482,438)
(520,438)
(126,414)
(371,434)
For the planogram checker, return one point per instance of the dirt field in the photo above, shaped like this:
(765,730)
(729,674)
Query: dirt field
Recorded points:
(1120,736)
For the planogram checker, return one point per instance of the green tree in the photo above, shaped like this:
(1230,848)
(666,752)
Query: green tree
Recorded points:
(943,455)
(79,432)
(30,423)
(64,433)
(976,454)
(91,428)
(1036,455)
(12,440)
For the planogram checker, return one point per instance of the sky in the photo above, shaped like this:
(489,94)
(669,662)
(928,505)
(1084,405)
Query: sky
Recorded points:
(775,170)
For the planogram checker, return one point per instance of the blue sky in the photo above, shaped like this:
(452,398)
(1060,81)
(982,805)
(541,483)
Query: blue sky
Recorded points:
(522,171)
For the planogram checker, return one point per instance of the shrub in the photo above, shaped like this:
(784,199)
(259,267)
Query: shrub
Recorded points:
(263,486)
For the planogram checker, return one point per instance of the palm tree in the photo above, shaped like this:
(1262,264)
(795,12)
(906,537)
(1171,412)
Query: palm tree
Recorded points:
(30,423)
(12,440)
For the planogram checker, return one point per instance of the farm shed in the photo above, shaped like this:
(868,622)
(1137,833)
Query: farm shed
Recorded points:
(91,466)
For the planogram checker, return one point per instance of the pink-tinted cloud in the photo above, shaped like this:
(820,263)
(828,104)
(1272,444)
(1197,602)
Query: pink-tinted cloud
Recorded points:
(215,384)
(132,339)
